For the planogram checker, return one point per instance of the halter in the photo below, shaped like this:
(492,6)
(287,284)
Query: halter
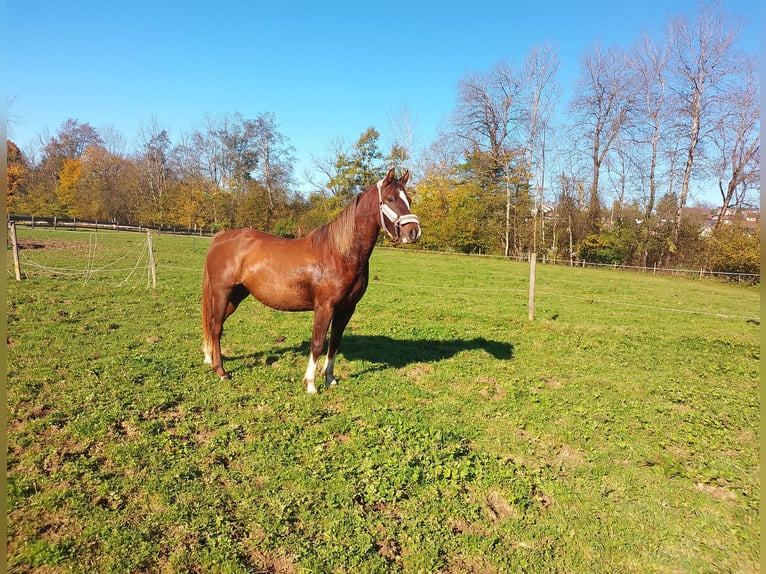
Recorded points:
(391,215)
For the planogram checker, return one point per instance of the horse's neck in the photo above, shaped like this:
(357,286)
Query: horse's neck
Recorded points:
(367,224)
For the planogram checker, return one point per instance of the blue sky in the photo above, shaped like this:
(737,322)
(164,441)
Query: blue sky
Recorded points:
(327,70)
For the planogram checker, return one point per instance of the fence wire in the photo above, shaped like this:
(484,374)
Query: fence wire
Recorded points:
(90,266)
(584,298)
(142,262)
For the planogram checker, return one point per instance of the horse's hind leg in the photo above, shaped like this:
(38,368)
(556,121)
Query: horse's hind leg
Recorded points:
(222,306)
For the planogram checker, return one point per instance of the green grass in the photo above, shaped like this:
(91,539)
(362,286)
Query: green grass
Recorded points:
(617,432)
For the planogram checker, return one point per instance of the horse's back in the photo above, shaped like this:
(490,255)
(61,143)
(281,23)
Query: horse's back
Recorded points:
(236,244)
(275,270)
(238,237)
(229,248)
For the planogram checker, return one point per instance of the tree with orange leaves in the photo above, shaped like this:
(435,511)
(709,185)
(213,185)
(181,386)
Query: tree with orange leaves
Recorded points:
(17,172)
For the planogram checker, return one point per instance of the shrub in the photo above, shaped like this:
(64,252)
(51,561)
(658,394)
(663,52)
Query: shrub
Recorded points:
(604,247)
(733,249)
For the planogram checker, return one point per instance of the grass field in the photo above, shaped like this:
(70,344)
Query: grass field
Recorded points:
(617,432)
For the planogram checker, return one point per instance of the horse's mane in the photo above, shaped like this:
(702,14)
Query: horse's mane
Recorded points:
(339,233)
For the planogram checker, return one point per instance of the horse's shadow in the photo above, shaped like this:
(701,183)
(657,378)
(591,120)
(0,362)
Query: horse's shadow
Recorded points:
(385,352)
(398,353)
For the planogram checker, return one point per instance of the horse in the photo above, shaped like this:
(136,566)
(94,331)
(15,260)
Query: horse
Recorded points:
(325,271)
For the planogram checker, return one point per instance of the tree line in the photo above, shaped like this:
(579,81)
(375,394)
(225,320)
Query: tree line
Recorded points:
(606,178)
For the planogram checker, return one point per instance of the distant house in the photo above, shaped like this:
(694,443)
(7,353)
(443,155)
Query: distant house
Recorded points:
(706,217)
(747,218)
(547,209)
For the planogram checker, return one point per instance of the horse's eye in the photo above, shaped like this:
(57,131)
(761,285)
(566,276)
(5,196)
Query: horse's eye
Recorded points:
(390,199)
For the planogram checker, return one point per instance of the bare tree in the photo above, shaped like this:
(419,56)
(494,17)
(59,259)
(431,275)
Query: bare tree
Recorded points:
(540,92)
(488,110)
(227,150)
(153,168)
(605,96)
(738,141)
(71,141)
(702,60)
(487,118)
(650,61)
(327,167)
(12,118)
(113,140)
(403,145)
(274,166)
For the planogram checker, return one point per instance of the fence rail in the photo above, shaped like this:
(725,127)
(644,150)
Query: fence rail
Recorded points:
(74,224)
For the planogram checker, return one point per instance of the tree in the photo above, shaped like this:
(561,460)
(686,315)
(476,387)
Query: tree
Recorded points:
(650,61)
(191,206)
(508,205)
(154,171)
(431,203)
(487,117)
(72,140)
(540,92)
(738,141)
(358,168)
(54,183)
(402,148)
(488,111)
(222,159)
(274,167)
(570,223)
(224,152)
(702,60)
(457,211)
(68,179)
(349,169)
(602,104)
(104,186)
(17,174)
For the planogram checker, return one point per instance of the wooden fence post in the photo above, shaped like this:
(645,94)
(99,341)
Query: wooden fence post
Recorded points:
(152,265)
(532,266)
(15,245)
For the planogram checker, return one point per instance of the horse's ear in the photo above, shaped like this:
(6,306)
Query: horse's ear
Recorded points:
(390,176)
(405,177)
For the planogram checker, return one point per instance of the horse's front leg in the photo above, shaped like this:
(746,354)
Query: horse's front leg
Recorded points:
(339,322)
(322,317)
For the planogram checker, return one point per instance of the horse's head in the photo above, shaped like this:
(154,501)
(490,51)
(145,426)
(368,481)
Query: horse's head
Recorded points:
(395,215)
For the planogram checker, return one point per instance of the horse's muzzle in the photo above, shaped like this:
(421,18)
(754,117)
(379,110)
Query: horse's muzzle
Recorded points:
(409,232)
(406,227)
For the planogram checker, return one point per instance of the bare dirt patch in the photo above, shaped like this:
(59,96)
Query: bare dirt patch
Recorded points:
(33,244)
(716,492)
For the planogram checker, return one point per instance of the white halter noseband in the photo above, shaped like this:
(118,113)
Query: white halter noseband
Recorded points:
(391,215)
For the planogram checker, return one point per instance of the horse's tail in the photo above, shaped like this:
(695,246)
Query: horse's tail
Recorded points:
(207,304)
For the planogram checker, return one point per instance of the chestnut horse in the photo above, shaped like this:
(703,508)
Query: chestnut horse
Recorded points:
(326,271)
